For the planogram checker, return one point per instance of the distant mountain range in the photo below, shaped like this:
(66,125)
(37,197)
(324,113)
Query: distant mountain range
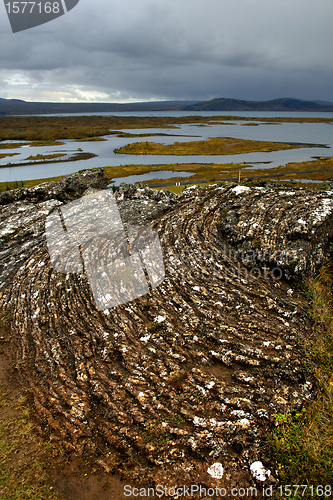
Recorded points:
(19,107)
(285,104)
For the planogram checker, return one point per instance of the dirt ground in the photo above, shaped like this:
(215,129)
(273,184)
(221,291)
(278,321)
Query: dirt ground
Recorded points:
(70,477)
(76,479)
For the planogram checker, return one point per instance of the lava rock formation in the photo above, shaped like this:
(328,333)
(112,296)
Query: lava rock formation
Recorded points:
(194,372)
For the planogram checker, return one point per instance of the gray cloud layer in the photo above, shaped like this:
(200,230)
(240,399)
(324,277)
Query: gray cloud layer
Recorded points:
(175,49)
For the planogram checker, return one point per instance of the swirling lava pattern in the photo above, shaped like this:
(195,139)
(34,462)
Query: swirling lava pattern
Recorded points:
(189,374)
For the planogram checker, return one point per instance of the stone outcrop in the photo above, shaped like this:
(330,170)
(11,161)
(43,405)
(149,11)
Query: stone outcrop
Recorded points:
(23,212)
(193,373)
(138,204)
(68,188)
(287,229)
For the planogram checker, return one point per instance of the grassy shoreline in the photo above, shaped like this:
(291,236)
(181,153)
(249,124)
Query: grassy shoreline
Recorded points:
(320,170)
(47,131)
(212,146)
(51,130)
(51,159)
(32,128)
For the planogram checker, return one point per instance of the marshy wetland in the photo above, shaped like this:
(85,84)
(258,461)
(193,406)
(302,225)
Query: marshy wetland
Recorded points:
(203,147)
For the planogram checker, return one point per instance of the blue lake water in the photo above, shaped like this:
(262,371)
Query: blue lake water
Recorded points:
(314,133)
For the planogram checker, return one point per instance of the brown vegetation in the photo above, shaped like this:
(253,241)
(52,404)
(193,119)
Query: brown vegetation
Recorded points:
(34,128)
(213,146)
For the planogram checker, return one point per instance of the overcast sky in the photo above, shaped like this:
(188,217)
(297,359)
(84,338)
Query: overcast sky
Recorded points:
(140,50)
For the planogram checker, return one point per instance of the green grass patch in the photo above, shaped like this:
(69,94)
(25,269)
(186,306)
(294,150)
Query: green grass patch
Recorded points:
(7,186)
(9,145)
(46,143)
(17,145)
(212,146)
(23,458)
(296,183)
(46,157)
(303,441)
(22,473)
(4,155)
(201,171)
(318,170)
(5,319)
(321,169)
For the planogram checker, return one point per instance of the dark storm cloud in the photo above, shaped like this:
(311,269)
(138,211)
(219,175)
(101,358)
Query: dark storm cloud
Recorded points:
(188,49)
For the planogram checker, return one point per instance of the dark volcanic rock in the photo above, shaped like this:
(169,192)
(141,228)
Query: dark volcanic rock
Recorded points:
(138,204)
(22,220)
(285,228)
(68,188)
(24,211)
(193,373)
